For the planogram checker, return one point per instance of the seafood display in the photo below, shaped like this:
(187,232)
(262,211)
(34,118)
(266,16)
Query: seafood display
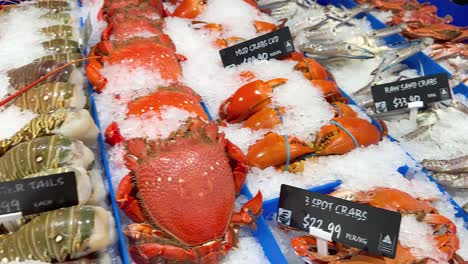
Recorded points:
(48,129)
(195,153)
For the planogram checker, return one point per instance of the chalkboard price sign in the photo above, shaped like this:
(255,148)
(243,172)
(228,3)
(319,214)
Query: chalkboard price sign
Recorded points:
(357,225)
(38,194)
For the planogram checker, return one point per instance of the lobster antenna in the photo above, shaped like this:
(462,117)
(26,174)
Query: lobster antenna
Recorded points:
(36,82)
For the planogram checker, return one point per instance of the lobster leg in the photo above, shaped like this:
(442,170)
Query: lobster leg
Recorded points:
(93,72)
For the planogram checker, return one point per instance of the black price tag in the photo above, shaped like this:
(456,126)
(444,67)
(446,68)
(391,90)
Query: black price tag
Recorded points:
(269,46)
(38,194)
(357,225)
(397,95)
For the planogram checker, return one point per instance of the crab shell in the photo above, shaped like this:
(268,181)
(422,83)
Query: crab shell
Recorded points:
(248,99)
(144,9)
(333,140)
(176,96)
(187,180)
(111,5)
(154,54)
(123,26)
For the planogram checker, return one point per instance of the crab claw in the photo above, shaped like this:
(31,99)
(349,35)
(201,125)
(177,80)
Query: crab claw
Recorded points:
(189,9)
(311,69)
(249,212)
(343,110)
(112,134)
(127,202)
(248,99)
(265,27)
(330,91)
(344,135)
(272,150)
(294,56)
(266,118)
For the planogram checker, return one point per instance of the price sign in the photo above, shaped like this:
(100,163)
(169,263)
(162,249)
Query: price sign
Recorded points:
(269,46)
(38,194)
(397,95)
(357,225)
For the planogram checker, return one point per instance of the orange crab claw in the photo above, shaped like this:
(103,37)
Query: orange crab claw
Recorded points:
(271,150)
(265,27)
(208,26)
(294,56)
(189,8)
(343,110)
(248,99)
(330,91)
(249,212)
(227,42)
(265,118)
(112,134)
(332,139)
(127,202)
(311,69)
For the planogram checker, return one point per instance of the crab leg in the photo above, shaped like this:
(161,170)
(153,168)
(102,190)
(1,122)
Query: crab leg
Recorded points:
(249,212)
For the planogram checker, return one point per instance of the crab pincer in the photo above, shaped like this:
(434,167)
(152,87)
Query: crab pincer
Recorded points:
(345,134)
(248,99)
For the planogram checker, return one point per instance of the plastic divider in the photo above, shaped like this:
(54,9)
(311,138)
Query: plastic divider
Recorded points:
(102,149)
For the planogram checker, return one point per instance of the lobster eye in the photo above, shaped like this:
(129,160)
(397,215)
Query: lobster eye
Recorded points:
(371,194)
